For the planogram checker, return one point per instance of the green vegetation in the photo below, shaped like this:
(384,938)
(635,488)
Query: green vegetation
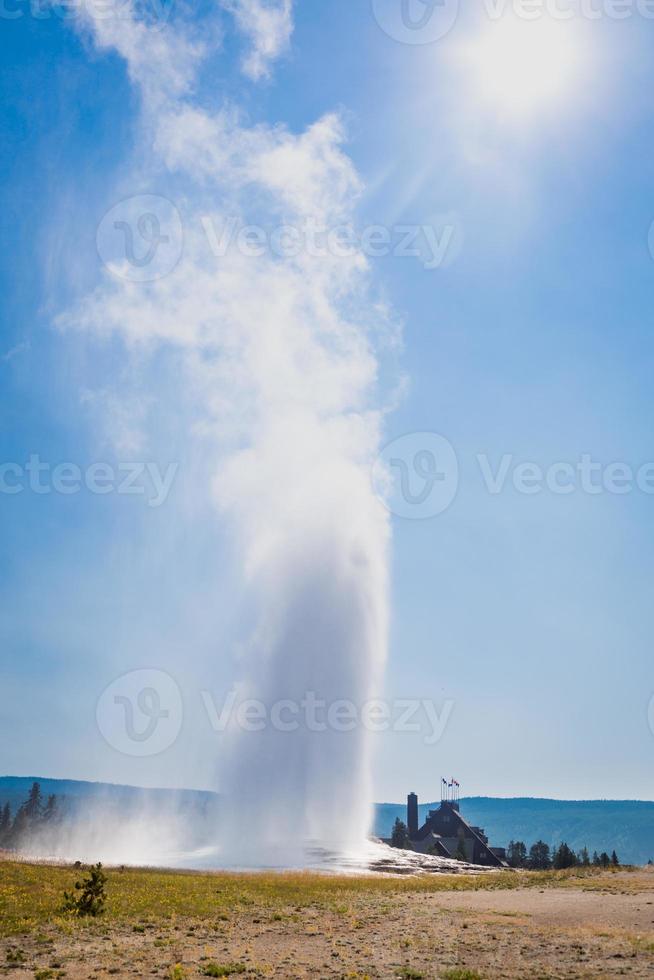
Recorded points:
(31,817)
(214,970)
(30,894)
(180,925)
(400,836)
(15,956)
(542,858)
(91,898)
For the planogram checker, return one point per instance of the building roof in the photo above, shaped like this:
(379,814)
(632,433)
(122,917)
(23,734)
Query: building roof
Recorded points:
(448,822)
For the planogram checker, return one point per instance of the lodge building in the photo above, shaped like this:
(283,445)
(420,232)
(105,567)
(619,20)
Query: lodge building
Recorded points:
(447,834)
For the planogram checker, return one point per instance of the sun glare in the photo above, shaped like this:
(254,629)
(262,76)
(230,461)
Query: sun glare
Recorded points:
(518,66)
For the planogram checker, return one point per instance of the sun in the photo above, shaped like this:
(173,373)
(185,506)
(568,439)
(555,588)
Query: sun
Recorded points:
(519,67)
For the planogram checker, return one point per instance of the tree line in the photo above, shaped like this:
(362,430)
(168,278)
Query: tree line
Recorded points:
(33,815)
(541,857)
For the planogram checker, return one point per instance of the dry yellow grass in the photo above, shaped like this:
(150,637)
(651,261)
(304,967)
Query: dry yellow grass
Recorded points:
(178,925)
(31,894)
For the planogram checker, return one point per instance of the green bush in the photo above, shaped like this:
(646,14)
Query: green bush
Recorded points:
(214,970)
(15,956)
(91,898)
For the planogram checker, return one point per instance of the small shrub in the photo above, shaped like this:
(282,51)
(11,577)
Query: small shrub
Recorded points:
(15,956)
(177,972)
(214,970)
(91,898)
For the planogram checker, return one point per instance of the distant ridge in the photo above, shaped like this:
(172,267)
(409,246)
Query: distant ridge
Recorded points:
(626,825)
(14,789)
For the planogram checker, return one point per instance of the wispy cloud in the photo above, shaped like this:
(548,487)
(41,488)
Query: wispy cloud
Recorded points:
(268,24)
(13,352)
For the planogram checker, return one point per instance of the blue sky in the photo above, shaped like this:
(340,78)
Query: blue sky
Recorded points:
(531,613)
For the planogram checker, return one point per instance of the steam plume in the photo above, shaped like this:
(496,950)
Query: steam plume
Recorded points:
(281,353)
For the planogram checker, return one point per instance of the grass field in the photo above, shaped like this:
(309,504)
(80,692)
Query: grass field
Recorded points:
(178,925)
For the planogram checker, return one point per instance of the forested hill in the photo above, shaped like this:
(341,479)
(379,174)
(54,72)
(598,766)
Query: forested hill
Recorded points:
(624,825)
(14,790)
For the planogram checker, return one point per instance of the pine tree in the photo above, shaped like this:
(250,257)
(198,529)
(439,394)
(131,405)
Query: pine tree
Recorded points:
(596,860)
(517,854)
(564,857)
(5,824)
(19,827)
(28,816)
(33,806)
(400,836)
(614,860)
(91,898)
(51,811)
(584,858)
(605,860)
(539,856)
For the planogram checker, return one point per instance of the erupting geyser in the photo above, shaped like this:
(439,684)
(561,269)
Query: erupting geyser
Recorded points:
(280,349)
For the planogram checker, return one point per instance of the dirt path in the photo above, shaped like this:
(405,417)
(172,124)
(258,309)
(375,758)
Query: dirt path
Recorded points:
(560,907)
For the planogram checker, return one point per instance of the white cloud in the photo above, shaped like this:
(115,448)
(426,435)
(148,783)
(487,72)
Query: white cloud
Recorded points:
(15,351)
(268,24)
(161,59)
